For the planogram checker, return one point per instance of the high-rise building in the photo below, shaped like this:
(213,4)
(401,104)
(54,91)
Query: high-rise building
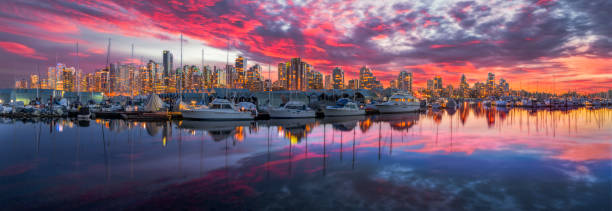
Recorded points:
(490,84)
(404,81)
(438,83)
(393,84)
(430,85)
(464,87)
(338,78)
(366,78)
(67,79)
(282,75)
(354,84)
(296,74)
(168,63)
(253,78)
(241,65)
(315,80)
(34,82)
(328,82)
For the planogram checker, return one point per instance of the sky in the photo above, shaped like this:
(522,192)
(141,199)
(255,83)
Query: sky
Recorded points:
(539,45)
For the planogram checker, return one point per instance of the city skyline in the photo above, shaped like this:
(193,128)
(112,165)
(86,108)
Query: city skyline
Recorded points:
(530,45)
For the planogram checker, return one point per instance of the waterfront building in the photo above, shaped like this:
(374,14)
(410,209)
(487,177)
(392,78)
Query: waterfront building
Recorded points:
(282,75)
(354,84)
(241,68)
(328,82)
(253,78)
(490,88)
(393,84)
(34,82)
(167,63)
(366,78)
(315,80)
(21,84)
(404,81)
(338,78)
(430,85)
(438,83)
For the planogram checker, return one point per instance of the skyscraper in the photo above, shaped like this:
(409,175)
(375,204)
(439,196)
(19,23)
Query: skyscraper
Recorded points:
(241,65)
(338,78)
(296,74)
(366,78)
(34,82)
(438,83)
(168,65)
(404,81)
(282,75)
(315,80)
(328,82)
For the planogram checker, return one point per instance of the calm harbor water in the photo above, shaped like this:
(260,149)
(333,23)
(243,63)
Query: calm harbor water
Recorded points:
(466,159)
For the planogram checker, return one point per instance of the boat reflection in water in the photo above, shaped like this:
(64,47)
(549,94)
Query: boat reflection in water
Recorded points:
(472,157)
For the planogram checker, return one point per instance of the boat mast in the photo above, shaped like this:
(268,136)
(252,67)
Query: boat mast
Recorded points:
(181,72)
(227,67)
(132,75)
(77,73)
(269,87)
(108,66)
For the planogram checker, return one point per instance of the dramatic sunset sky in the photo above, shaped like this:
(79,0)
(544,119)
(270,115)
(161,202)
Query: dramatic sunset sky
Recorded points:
(531,43)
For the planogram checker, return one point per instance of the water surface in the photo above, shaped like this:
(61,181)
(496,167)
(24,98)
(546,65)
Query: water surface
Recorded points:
(466,159)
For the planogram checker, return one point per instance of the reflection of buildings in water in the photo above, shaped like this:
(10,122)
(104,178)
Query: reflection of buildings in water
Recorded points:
(365,124)
(117,125)
(503,113)
(345,123)
(463,114)
(294,129)
(478,109)
(490,114)
(399,122)
(436,115)
(219,130)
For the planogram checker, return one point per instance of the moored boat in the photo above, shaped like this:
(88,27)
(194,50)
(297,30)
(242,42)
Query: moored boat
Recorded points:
(399,103)
(343,107)
(219,109)
(292,109)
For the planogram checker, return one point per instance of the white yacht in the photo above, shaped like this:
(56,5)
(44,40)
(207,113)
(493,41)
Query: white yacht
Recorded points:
(501,103)
(343,107)
(399,103)
(292,109)
(219,109)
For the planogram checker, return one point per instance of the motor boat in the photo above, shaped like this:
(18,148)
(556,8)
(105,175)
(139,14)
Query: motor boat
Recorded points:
(84,113)
(218,109)
(399,103)
(292,109)
(449,103)
(501,103)
(343,107)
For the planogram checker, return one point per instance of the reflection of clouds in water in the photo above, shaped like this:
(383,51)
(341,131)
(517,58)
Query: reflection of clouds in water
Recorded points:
(578,173)
(456,193)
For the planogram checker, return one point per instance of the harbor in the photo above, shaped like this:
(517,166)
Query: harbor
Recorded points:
(260,104)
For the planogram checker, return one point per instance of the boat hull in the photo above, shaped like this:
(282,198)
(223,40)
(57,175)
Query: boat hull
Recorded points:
(382,108)
(217,115)
(291,113)
(343,112)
